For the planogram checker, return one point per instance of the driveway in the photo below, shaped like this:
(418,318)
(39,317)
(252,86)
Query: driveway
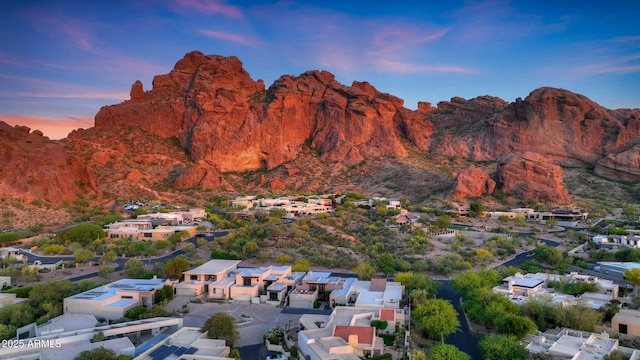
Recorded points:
(260,318)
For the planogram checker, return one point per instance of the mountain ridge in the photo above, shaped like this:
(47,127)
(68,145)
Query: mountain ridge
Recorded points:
(229,124)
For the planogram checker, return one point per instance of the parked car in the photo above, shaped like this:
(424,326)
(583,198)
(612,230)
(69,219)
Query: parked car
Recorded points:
(277,357)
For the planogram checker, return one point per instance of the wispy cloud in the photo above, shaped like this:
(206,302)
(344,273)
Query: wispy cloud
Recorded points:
(55,128)
(405,67)
(42,88)
(236,38)
(211,7)
(339,41)
(620,65)
(627,39)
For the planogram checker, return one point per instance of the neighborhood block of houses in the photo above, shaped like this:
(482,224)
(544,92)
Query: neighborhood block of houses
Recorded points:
(520,287)
(156,226)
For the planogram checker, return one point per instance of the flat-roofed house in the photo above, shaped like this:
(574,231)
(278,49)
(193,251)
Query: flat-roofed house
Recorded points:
(316,285)
(113,300)
(197,281)
(626,322)
(346,334)
(253,283)
(519,285)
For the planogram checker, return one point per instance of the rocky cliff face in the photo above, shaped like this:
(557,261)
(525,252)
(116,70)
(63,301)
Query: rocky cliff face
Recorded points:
(566,127)
(473,182)
(232,123)
(32,166)
(227,122)
(532,176)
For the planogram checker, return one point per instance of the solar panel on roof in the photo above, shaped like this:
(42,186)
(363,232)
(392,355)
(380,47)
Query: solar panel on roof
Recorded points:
(191,350)
(165,352)
(157,351)
(180,350)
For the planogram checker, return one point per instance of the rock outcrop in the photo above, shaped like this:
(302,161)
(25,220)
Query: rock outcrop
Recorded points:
(473,182)
(228,120)
(564,126)
(624,165)
(532,176)
(34,167)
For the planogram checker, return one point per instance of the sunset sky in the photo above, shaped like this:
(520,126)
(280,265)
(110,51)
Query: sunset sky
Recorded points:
(60,61)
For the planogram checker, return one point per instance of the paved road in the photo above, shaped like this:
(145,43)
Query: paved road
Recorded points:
(464,339)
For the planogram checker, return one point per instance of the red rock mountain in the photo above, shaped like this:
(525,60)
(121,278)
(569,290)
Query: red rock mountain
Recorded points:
(532,176)
(229,123)
(34,167)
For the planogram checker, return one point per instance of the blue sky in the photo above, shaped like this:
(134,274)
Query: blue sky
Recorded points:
(60,61)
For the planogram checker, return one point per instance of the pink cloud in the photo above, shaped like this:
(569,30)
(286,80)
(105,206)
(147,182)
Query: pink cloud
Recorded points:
(51,89)
(211,7)
(240,39)
(54,128)
(405,67)
(339,41)
(621,65)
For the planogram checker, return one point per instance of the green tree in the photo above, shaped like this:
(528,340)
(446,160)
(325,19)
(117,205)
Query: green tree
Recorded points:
(176,266)
(442,222)
(82,255)
(250,249)
(501,347)
(418,355)
(632,275)
(133,269)
(283,259)
(162,244)
(516,325)
(108,257)
(221,326)
(301,265)
(419,240)
(178,237)
(83,233)
(468,281)
(365,271)
(630,212)
(99,353)
(386,263)
(476,209)
(436,318)
(105,270)
(447,352)
(8,261)
(549,255)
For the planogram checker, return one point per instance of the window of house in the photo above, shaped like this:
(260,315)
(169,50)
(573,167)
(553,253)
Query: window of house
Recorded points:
(622,328)
(273,296)
(246,281)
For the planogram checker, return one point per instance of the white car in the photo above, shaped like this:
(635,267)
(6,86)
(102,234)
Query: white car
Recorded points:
(277,357)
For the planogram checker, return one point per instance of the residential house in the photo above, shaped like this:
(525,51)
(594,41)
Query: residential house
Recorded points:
(187,343)
(315,285)
(572,344)
(614,268)
(346,334)
(201,280)
(251,283)
(66,336)
(113,300)
(144,230)
(10,251)
(626,322)
(519,287)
